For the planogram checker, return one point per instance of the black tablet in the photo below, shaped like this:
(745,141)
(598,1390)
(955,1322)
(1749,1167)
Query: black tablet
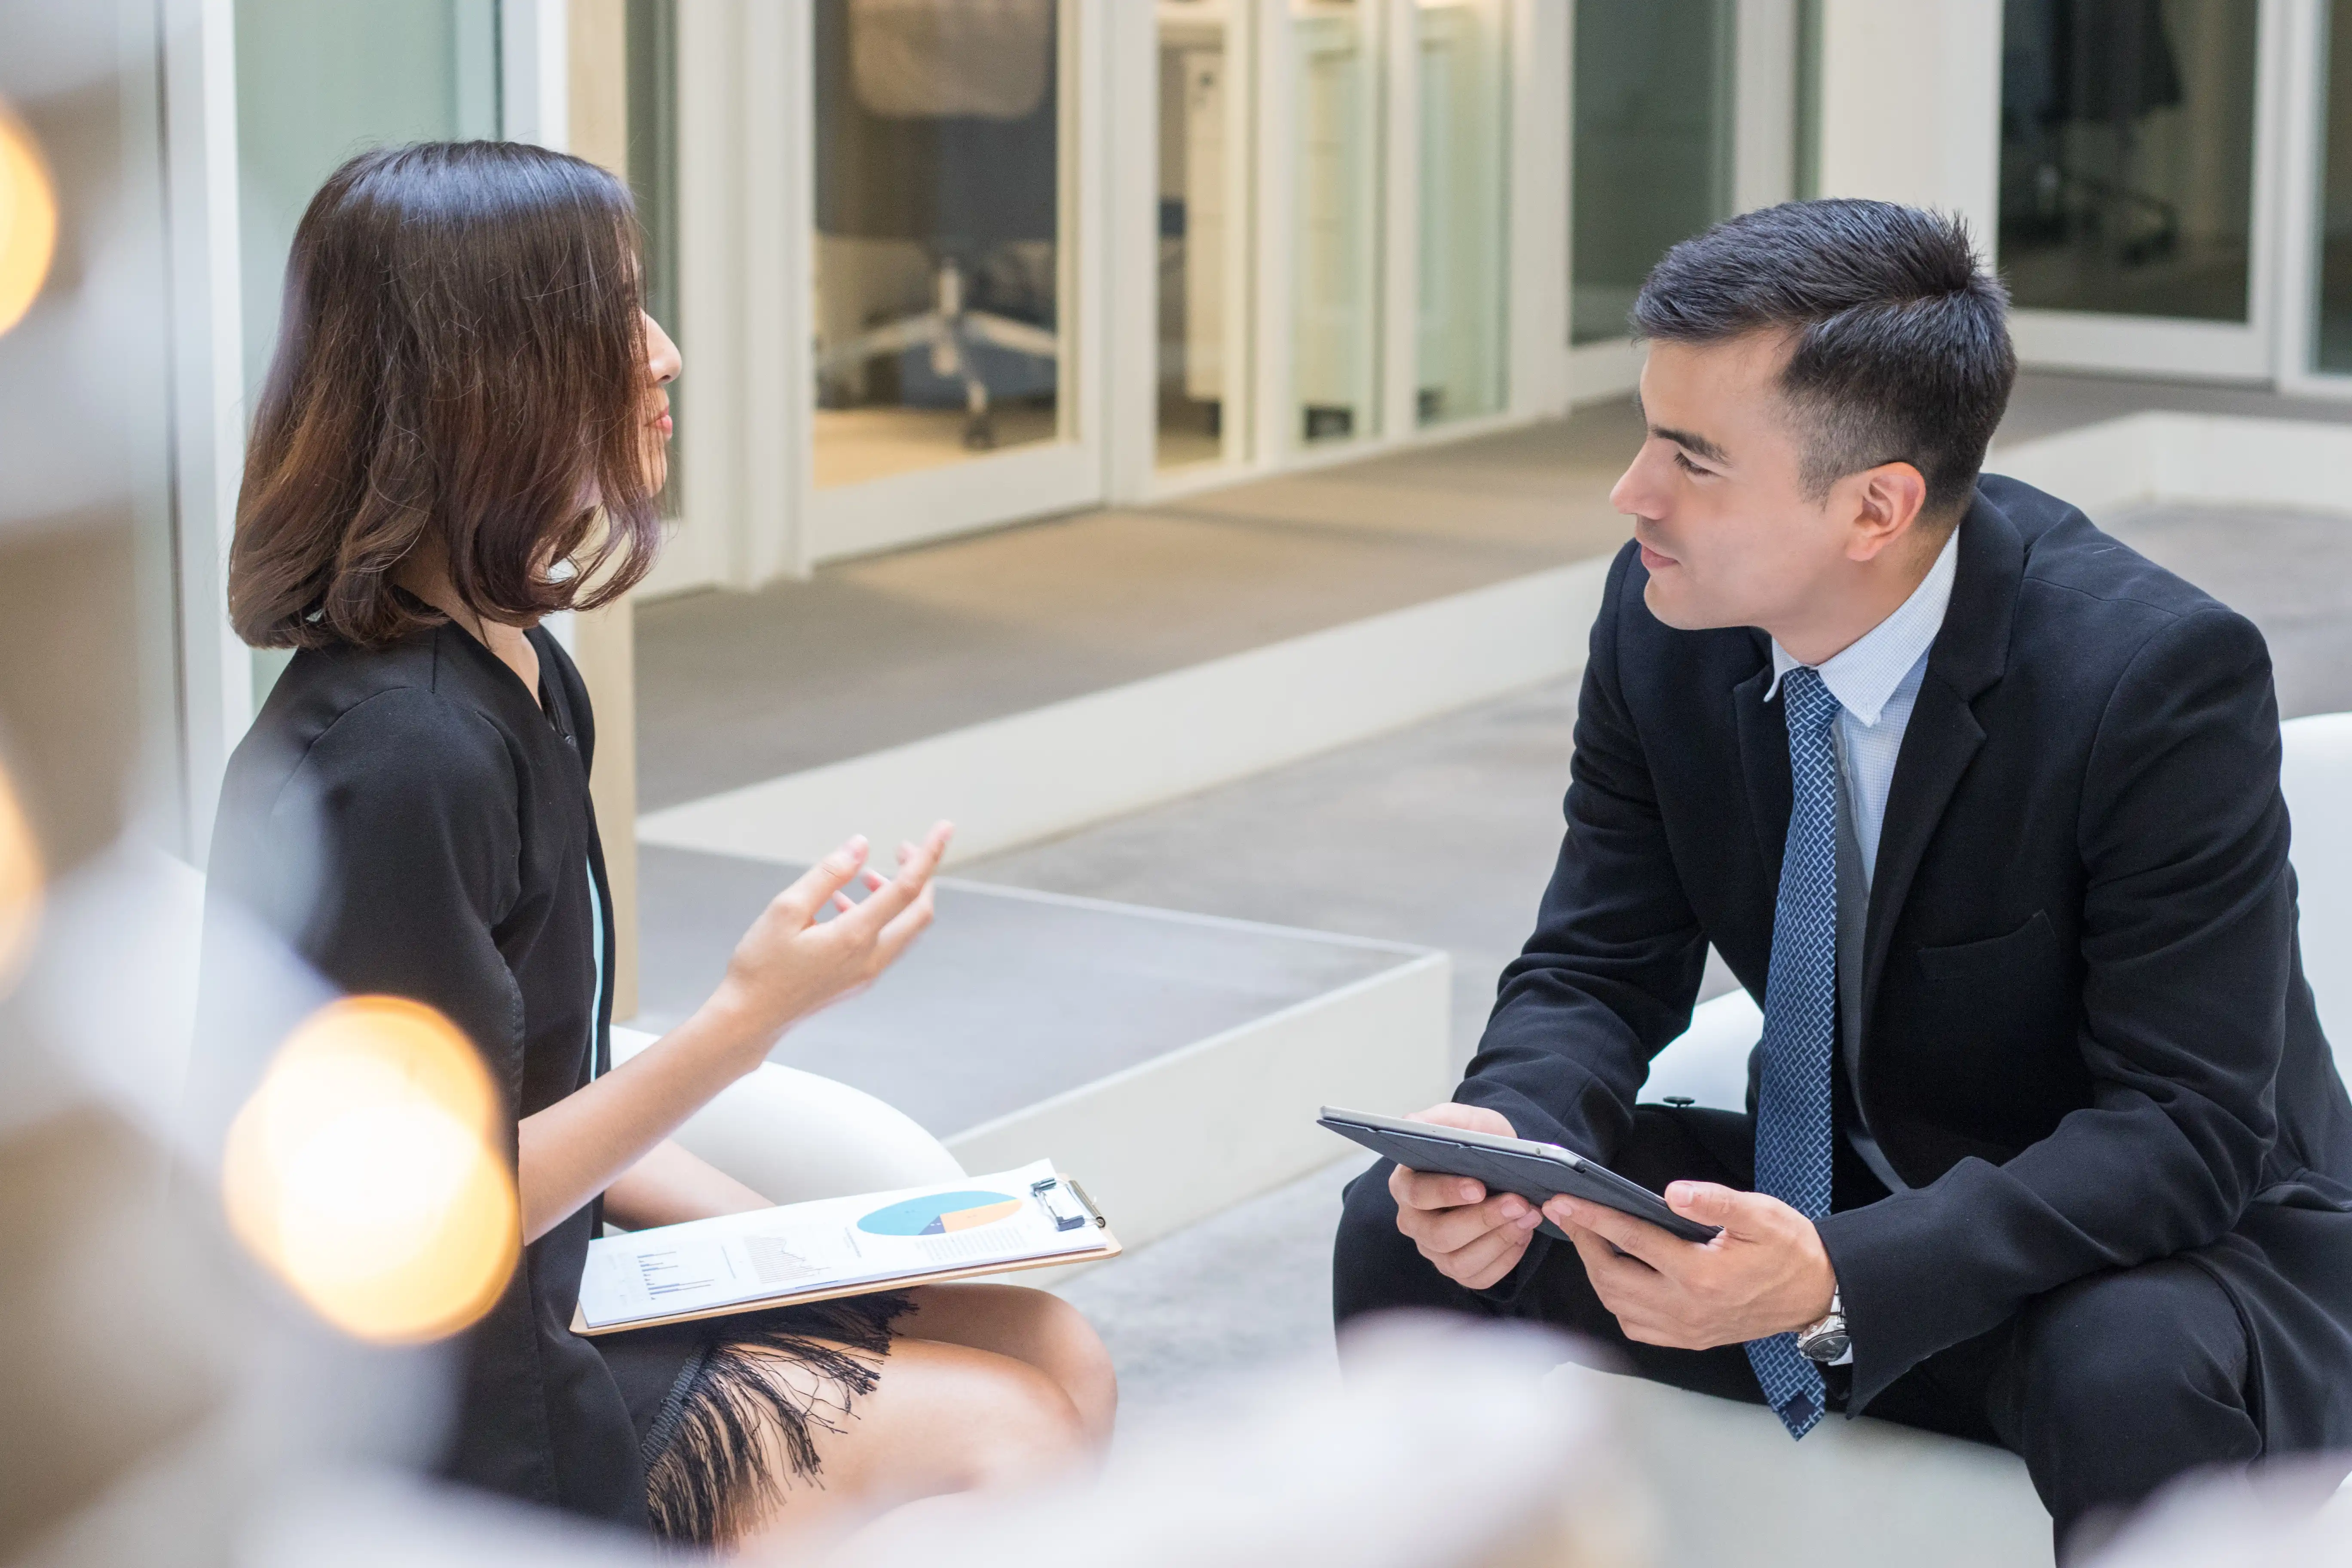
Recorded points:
(1534,1171)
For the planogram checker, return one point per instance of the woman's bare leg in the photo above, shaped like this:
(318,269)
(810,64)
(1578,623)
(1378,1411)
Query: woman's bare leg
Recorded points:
(1032,1326)
(943,1418)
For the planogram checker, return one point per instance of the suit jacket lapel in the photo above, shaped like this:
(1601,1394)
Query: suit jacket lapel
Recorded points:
(1968,655)
(1764,759)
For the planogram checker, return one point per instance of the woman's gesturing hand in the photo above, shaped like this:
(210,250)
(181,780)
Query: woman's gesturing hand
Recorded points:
(791,962)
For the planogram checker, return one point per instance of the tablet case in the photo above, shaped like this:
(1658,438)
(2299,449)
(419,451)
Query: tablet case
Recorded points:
(1534,1171)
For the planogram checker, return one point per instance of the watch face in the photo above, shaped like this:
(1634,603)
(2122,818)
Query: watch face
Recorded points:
(1827,1345)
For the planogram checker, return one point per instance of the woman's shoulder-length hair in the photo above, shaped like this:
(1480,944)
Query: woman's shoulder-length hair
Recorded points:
(462,363)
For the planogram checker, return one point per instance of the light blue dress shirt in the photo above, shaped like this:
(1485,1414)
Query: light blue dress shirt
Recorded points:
(1876,682)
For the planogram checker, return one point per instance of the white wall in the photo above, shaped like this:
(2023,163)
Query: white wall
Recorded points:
(1911,105)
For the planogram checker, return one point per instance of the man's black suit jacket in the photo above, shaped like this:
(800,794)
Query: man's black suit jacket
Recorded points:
(2087,1042)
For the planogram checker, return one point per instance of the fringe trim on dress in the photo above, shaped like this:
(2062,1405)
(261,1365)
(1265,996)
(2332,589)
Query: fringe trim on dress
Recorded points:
(707,1478)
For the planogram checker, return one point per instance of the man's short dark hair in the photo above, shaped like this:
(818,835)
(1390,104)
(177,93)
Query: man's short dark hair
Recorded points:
(1901,340)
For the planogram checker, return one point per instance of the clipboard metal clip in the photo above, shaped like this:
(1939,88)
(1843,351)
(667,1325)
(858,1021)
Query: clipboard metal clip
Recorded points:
(1066,1202)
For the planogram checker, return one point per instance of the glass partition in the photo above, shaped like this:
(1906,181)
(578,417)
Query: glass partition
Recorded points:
(1200,165)
(2126,155)
(938,247)
(2332,347)
(1465,120)
(1651,159)
(1335,362)
(319,81)
(651,35)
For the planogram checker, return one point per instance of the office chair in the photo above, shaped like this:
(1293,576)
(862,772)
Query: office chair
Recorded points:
(938,123)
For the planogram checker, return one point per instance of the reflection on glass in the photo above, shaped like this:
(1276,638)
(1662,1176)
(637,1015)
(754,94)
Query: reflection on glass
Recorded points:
(1337,208)
(937,250)
(1464,111)
(2333,349)
(1652,146)
(1198,301)
(2126,155)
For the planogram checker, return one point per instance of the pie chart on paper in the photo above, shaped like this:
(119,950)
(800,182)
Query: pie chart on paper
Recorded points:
(940,1213)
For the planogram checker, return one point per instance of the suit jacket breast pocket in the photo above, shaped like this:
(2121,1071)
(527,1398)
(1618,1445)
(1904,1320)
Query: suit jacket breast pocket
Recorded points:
(2034,943)
(1995,1045)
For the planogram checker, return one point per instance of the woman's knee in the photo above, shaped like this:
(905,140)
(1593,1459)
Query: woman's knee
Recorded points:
(1074,1356)
(1032,1326)
(948,1418)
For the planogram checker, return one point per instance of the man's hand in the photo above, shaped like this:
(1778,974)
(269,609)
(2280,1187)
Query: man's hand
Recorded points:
(1473,1240)
(1765,1274)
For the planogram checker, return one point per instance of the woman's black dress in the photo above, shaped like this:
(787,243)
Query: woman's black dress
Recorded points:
(411,822)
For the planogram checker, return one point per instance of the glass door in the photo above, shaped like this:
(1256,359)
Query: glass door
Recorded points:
(1651,160)
(947,252)
(2132,228)
(1201,363)
(2315,339)
(316,84)
(1336,220)
(2330,344)
(1463,80)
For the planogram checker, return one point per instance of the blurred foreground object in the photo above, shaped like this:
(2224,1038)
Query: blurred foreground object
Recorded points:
(364,1172)
(1446,1448)
(20,883)
(28,220)
(2291,1515)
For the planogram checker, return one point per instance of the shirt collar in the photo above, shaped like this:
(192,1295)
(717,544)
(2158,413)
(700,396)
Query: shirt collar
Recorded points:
(1866,674)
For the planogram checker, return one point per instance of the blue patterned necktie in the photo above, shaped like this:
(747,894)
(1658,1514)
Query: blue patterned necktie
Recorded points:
(1793,1108)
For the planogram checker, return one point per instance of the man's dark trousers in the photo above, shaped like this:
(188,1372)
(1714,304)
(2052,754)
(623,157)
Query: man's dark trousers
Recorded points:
(2107,1387)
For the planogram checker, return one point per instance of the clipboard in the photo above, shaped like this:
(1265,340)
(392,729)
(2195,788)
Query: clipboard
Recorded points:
(1108,1247)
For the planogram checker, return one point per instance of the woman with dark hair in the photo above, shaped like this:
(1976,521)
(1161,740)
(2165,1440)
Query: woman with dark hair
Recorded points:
(463,432)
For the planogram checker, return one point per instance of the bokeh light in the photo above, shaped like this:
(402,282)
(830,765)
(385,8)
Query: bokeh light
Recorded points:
(28,220)
(20,884)
(365,1171)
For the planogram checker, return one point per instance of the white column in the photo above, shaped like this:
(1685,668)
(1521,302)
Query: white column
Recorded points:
(1764,105)
(535,72)
(1911,105)
(208,358)
(1397,43)
(1132,229)
(1537,329)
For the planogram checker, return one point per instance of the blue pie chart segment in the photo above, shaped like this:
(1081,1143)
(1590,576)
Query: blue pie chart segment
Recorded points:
(937,1214)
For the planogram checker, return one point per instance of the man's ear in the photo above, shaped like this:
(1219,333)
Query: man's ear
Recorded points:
(1887,502)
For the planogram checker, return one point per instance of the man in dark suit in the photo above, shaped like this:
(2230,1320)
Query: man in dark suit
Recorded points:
(2045,1146)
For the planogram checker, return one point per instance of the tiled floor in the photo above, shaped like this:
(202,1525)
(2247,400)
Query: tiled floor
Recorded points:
(1012,998)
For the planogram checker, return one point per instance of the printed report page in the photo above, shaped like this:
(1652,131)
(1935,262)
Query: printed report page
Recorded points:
(979,1221)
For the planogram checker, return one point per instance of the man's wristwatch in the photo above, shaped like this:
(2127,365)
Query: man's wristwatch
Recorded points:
(1826,1341)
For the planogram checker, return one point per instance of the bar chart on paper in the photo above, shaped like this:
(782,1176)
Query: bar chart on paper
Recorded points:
(665,1275)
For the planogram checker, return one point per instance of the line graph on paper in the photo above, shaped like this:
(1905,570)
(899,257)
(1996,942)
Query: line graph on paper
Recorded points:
(659,1271)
